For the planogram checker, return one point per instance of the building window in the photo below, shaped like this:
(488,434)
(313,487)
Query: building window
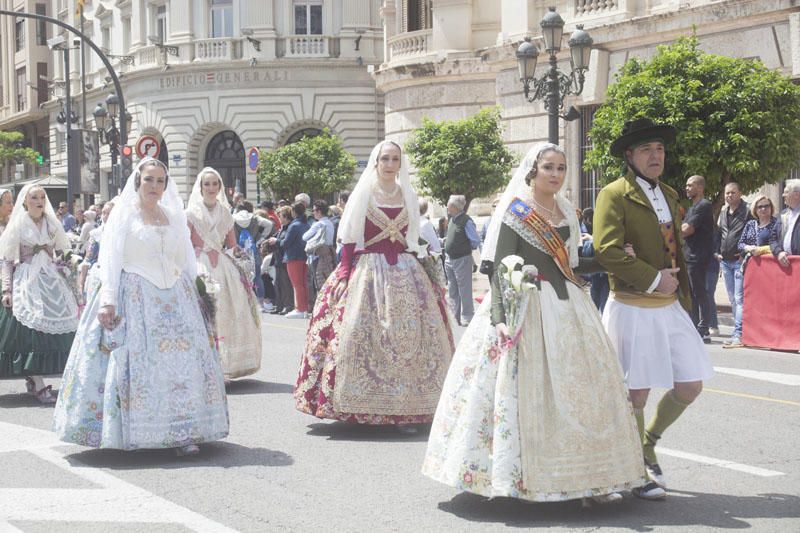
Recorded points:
(308,17)
(126,35)
(105,38)
(590,179)
(19,35)
(41,25)
(161,23)
(221,18)
(416,15)
(22,89)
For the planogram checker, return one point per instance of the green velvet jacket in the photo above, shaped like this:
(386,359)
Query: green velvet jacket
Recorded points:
(510,243)
(623,214)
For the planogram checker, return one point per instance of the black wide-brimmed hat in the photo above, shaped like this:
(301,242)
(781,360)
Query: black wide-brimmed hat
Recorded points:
(639,131)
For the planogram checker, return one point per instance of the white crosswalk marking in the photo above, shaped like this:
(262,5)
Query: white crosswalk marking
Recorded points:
(115,501)
(722,463)
(773,377)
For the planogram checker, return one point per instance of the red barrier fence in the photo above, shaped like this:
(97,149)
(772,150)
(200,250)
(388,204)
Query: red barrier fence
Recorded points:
(771,314)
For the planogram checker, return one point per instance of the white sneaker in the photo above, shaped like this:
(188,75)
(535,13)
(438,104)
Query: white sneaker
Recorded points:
(295,314)
(267,307)
(650,491)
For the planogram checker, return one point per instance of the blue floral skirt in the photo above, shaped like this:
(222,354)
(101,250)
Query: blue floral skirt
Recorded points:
(155,381)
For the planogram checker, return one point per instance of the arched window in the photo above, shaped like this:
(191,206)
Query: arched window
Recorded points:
(225,153)
(305,132)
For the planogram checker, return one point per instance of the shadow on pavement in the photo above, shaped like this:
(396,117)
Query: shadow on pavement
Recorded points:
(214,454)
(345,431)
(682,508)
(255,386)
(23,399)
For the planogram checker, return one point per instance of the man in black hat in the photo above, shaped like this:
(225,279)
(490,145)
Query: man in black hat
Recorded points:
(647,314)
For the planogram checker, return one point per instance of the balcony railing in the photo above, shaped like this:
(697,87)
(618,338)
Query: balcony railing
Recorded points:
(586,8)
(219,49)
(409,44)
(146,55)
(308,46)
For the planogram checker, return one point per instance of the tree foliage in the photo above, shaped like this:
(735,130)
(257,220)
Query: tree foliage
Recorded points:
(461,156)
(736,120)
(315,165)
(12,150)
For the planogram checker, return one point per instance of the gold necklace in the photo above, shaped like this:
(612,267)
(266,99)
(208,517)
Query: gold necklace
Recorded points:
(385,194)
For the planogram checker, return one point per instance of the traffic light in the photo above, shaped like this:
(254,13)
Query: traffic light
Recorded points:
(126,161)
(40,159)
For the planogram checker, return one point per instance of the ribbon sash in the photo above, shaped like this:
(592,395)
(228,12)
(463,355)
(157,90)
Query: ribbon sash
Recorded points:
(539,233)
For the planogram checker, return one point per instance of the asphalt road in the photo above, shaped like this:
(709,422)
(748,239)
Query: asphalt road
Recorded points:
(732,462)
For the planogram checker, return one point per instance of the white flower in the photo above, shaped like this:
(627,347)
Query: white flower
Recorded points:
(511,262)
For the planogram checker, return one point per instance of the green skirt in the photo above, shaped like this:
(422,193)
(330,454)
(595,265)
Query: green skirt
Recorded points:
(27,352)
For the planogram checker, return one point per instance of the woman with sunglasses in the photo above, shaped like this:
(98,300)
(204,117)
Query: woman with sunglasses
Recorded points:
(754,241)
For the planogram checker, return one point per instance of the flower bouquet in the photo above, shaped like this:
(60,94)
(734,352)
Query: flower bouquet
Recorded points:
(517,280)
(206,290)
(68,265)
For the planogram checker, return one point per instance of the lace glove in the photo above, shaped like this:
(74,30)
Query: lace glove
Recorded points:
(346,263)
(7,271)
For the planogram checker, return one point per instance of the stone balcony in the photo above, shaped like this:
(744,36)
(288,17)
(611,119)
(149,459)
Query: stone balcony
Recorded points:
(217,49)
(308,46)
(409,45)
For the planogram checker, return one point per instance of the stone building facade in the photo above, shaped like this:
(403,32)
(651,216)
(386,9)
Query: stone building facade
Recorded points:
(209,79)
(446,59)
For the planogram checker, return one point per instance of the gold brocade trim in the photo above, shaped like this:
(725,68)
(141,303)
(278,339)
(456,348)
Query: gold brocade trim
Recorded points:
(390,228)
(648,301)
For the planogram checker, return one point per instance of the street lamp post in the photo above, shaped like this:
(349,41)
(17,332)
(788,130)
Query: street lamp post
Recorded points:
(105,119)
(554,85)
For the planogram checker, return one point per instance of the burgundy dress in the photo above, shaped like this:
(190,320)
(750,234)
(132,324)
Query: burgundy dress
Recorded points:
(380,354)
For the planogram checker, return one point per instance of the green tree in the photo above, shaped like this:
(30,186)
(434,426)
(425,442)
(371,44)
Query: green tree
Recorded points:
(461,156)
(316,165)
(736,120)
(11,149)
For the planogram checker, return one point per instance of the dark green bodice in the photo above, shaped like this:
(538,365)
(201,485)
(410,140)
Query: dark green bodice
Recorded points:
(510,243)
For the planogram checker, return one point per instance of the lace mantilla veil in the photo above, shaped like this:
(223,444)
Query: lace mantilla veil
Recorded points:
(517,188)
(120,221)
(351,227)
(19,220)
(197,209)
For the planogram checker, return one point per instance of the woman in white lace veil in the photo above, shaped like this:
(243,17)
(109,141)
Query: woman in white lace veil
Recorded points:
(517,188)
(351,227)
(237,319)
(144,335)
(536,356)
(378,304)
(36,297)
(126,211)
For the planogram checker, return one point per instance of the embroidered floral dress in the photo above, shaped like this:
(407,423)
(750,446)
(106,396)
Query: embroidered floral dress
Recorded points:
(154,381)
(549,419)
(237,323)
(37,332)
(380,354)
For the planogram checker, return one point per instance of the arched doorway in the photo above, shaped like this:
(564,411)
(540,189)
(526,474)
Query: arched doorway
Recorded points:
(225,153)
(299,134)
(163,154)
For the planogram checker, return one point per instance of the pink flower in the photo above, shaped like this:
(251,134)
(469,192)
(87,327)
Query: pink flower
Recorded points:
(468,478)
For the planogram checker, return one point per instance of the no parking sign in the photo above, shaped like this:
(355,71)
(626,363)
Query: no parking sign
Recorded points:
(252,159)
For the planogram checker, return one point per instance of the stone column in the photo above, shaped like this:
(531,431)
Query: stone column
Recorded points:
(138,24)
(259,16)
(389,15)
(452,25)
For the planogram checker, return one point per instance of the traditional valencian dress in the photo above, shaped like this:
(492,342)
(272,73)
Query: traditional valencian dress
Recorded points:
(237,322)
(548,419)
(380,354)
(155,380)
(37,332)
